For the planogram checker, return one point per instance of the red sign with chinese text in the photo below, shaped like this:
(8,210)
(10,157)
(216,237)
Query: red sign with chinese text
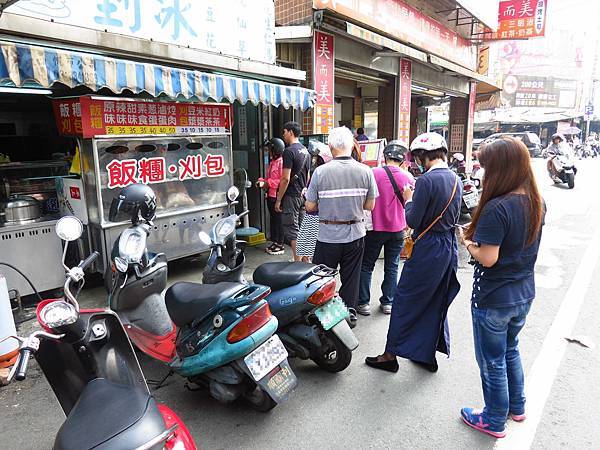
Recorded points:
(405,76)
(323,64)
(520,19)
(124,172)
(89,117)
(408,24)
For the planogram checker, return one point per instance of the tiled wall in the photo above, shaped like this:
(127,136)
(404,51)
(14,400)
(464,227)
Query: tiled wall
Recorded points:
(293,12)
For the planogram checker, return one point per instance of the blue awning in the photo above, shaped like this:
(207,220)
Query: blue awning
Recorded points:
(43,66)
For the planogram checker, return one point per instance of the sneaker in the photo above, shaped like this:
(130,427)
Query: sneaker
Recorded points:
(352,318)
(386,309)
(364,310)
(517,417)
(474,419)
(269,249)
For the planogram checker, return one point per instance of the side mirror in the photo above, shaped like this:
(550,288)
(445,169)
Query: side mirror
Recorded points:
(69,228)
(204,238)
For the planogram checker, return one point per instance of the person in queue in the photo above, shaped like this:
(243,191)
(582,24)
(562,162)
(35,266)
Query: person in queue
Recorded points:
(341,191)
(388,229)
(294,179)
(360,135)
(428,283)
(504,239)
(270,184)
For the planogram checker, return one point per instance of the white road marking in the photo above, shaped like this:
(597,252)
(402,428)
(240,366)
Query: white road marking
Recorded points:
(539,381)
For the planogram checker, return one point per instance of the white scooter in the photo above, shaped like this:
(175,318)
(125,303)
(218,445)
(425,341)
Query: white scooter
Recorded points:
(561,168)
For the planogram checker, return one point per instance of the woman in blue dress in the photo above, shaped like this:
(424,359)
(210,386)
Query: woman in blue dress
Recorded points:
(428,284)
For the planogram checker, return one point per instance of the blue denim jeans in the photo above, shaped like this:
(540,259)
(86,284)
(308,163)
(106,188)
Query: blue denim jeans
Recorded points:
(392,245)
(495,332)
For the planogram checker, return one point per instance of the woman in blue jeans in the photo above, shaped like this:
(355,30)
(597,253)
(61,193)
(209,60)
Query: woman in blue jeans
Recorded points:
(503,239)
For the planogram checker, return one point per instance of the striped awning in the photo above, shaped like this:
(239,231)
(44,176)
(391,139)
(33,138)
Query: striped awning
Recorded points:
(43,66)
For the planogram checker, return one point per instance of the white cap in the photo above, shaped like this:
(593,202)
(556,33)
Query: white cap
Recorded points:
(429,142)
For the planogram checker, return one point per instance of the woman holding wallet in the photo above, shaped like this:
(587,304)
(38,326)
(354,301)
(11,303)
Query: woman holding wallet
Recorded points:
(503,238)
(428,284)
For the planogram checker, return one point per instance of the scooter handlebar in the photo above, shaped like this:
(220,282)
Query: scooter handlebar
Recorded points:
(89,260)
(21,372)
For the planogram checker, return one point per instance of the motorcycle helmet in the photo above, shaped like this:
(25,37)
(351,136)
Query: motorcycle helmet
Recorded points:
(428,142)
(133,202)
(317,148)
(276,145)
(395,150)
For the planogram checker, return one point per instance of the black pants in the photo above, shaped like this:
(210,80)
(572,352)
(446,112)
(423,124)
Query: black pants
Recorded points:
(349,257)
(276,227)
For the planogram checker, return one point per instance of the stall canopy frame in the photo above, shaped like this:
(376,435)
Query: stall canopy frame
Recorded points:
(40,66)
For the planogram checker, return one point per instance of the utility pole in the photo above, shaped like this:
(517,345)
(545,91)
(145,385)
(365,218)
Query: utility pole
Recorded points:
(591,103)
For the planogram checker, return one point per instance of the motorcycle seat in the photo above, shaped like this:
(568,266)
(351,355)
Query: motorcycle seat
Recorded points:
(279,275)
(189,301)
(108,416)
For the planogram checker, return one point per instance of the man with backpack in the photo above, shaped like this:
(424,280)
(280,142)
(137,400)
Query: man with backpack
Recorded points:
(389,226)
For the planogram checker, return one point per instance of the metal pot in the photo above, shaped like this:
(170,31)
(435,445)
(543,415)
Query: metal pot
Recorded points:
(21,209)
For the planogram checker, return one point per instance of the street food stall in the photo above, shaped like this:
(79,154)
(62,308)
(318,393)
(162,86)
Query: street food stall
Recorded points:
(183,150)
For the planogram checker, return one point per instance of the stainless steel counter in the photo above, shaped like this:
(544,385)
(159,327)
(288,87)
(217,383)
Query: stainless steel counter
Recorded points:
(36,251)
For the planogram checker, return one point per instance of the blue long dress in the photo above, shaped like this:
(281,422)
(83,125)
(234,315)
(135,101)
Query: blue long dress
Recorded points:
(428,284)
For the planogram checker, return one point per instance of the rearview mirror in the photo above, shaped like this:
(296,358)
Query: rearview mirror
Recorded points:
(204,238)
(69,228)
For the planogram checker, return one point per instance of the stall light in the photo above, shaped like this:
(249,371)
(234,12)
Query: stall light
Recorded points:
(16,90)
(417,88)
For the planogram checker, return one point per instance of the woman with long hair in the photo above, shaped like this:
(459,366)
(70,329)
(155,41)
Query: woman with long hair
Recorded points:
(503,239)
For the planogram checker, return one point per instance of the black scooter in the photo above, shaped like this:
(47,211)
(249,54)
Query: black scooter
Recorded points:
(91,366)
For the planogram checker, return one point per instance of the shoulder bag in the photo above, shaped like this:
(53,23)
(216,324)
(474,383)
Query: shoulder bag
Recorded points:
(409,242)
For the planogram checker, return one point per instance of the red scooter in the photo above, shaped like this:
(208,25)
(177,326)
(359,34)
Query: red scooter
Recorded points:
(90,364)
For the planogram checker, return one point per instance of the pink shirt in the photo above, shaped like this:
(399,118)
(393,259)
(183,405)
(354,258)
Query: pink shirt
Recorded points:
(273,176)
(388,214)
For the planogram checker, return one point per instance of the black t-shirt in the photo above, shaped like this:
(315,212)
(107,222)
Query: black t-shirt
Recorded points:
(296,158)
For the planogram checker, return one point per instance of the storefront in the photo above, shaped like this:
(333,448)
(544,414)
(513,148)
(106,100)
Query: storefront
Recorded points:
(183,129)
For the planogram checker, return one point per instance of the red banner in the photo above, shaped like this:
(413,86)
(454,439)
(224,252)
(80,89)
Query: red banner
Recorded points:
(405,77)
(89,117)
(520,19)
(323,63)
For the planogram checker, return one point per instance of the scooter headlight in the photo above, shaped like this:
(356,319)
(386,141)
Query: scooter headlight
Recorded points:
(57,314)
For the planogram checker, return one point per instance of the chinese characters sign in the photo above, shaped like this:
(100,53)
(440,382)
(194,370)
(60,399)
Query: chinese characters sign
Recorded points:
(404,100)
(520,19)
(124,172)
(541,92)
(408,24)
(323,66)
(90,117)
(243,28)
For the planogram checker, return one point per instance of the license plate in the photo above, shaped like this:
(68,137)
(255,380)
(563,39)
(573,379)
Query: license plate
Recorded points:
(281,383)
(471,201)
(266,357)
(332,313)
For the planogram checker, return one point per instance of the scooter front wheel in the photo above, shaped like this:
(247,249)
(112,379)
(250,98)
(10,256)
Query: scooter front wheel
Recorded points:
(333,356)
(260,400)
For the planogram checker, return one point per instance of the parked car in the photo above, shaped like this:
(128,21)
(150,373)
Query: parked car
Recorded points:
(531,140)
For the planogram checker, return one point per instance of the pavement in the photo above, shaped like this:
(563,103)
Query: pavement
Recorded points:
(363,408)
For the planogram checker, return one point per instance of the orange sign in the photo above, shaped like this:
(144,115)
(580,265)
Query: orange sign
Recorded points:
(520,19)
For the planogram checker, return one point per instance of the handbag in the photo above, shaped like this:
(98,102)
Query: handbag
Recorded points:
(409,242)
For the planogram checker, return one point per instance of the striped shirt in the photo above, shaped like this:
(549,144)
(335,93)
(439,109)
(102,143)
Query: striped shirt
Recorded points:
(341,188)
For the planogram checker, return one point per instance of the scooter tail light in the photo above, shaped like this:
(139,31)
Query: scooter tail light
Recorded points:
(323,294)
(250,324)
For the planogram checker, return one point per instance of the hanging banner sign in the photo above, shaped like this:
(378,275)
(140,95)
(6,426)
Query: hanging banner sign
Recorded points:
(404,101)
(323,66)
(519,19)
(88,117)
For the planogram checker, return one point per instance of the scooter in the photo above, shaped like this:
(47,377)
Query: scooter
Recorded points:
(561,168)
(470,197)
(312,319)
(220,336)
(91,366)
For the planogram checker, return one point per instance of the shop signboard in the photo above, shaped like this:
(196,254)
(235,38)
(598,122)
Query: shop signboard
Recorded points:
(519,19)
(545,92)
(323,66)
(398,19)
(241,28)
(404,100)
(88,117)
